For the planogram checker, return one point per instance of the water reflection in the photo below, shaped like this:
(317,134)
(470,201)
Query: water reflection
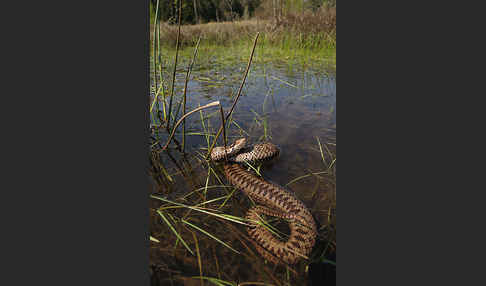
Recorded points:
(295,109)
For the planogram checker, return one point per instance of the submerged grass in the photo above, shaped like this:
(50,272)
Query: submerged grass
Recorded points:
(209,216)
(174,231)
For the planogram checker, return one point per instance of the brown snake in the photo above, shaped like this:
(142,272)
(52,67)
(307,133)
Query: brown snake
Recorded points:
(273,200)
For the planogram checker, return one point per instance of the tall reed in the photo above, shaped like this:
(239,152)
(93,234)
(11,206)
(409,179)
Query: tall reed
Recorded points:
(237,96)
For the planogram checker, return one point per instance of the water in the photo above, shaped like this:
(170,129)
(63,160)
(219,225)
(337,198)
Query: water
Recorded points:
(295,108)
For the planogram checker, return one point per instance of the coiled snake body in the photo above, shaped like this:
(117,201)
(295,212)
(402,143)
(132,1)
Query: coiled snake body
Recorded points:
(273,200)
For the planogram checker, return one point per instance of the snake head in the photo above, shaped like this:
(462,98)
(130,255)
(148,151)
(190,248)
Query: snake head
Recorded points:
(240,143)
(219,153)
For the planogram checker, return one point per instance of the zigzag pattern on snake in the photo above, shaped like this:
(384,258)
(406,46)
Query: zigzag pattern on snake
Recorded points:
(273,200)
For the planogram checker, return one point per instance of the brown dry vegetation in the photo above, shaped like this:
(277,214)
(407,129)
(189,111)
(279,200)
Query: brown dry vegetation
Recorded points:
(303,29)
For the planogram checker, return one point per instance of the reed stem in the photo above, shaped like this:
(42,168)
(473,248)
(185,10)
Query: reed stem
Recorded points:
(237,97)
(175,66)
(182,118)
(224,133)
(189,68)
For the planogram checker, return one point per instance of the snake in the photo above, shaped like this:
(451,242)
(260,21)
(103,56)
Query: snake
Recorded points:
(271,200)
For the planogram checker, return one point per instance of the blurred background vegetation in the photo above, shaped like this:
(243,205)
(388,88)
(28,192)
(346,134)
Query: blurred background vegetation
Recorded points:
(286,26)
(203,11)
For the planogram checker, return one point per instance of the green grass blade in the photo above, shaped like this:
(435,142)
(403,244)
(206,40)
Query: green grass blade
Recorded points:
(175,231)
(322,153)
(223,216)
(286,82)
(210,235)
(216,281)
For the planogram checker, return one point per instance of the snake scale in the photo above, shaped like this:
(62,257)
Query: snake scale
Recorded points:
(273,200)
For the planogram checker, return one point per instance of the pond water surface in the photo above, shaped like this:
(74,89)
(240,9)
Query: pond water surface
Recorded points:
(294,108)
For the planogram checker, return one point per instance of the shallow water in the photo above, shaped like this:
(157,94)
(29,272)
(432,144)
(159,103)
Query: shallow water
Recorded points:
(291,107)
